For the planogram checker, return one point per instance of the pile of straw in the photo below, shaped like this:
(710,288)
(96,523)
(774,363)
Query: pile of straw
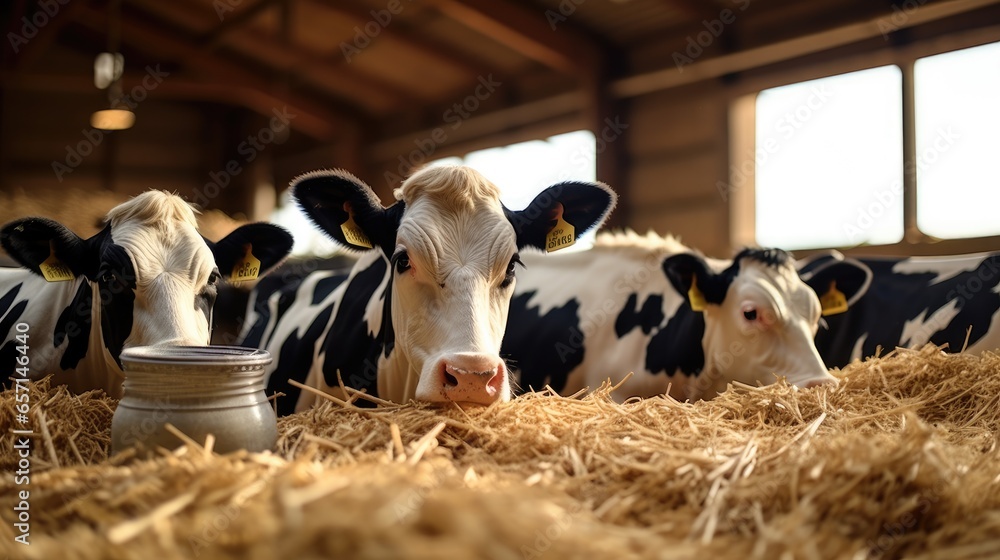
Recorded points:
(900,459)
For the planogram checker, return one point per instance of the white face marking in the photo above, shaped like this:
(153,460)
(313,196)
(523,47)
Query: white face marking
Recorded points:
(173,268)
(450,303)
(764,328)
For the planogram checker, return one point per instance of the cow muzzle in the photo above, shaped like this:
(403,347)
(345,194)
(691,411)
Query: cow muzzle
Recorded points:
(474,378)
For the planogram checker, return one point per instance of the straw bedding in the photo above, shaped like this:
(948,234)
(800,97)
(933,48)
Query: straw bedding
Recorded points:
(900,459)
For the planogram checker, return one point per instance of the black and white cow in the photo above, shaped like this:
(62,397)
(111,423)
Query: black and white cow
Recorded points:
(422,315)
(916,300)
(626,306)
(147,278)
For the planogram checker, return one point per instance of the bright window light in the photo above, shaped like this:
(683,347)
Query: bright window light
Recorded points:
(958,119)
(523,170)
(829,161)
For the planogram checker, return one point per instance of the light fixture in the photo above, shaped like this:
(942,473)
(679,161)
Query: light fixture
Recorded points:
(108,70)
(112,119)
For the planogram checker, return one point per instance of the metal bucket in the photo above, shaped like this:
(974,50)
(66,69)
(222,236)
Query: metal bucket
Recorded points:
(200,390)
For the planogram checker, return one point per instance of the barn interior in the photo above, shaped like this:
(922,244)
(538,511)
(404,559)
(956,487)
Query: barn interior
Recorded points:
(667,88)
(232,99)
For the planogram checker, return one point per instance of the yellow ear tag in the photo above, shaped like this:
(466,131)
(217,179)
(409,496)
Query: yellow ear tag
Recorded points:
(352,232)
(695,297)
(833,301)
(53,269)
(562,235)
(247,268)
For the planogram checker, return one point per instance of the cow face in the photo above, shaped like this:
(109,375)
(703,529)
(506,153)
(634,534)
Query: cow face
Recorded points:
(453,253)
(761,317)
(154,275)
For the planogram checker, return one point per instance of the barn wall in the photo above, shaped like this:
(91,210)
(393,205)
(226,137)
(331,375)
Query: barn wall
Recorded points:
(676,149)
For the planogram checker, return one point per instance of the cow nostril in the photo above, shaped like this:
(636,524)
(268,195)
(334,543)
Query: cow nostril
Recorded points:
(450,380)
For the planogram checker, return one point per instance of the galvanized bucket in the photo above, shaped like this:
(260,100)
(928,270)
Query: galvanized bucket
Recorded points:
(200,390)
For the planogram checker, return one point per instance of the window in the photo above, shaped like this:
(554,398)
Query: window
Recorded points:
(829,164)
(522,170)
(958,142)
(833,172)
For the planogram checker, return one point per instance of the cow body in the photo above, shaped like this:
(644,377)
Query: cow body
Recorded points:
(916,300)
(577,319)
(148,278)
(421,315)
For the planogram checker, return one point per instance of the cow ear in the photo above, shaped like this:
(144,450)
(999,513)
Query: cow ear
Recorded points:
(686,271)
(580,205)
(33,241)
(267,243)
(838,283)
(347,210)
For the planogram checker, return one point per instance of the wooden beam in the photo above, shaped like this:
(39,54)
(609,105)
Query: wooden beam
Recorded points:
(186,89)
(404,33)
(524,31)
(786,50)
(311,118)
(329,74)
(213,37)
(47,34)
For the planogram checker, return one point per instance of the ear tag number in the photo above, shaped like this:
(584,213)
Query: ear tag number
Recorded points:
(53,269)
(352,232)
(695,297)
(562,235)
(834,301)
(247,268)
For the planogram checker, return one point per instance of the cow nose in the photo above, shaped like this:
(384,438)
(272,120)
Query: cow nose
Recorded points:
(474,378)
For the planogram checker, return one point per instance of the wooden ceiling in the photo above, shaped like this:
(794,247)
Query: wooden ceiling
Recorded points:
(391,67)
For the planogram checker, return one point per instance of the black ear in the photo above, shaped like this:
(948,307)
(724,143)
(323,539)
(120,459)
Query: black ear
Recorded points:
(583,205)
(683,268)
(325,196)
(30,241)
(269,243)
(852,278)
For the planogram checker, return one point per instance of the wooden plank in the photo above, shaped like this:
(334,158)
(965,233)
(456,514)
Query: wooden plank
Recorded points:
(662,182)
(524,31)
(786,50)
(667,122)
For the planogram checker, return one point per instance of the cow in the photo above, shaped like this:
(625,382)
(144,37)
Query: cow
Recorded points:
(682,324)
(147,278)
(422,313)
(916,300)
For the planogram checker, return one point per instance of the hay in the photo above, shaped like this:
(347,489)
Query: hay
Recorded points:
(900,459)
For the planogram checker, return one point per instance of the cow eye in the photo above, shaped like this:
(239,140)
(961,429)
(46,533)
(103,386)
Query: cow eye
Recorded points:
(402,261)
(509,276)
(108,277)
(213,278)
(750,314)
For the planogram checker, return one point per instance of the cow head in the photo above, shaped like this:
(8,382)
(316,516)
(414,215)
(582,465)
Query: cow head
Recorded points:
(156,277)
(452,249)
(761,316)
